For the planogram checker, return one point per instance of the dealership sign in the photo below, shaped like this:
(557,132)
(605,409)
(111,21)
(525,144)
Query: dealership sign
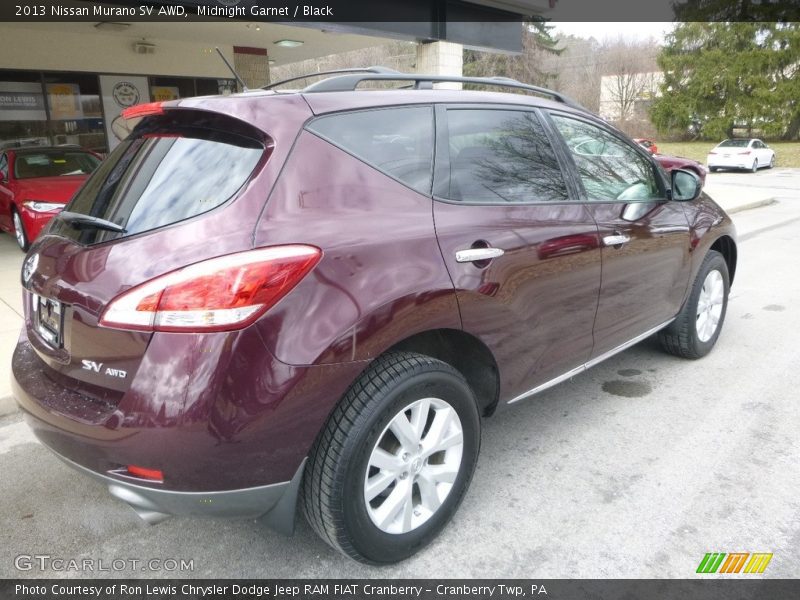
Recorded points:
(21,101)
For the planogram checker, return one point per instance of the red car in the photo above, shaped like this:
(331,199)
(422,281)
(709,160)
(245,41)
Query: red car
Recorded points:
(36,183)
(678,162)
(648,145)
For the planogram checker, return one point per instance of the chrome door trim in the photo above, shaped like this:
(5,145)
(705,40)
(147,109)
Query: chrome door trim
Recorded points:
(476,254)
(590,364)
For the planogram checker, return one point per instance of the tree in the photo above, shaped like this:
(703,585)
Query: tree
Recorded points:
(537,42)
(629,68)
(578,69)
(718,76)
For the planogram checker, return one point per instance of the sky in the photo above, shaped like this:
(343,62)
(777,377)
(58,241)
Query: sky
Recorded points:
(601,31)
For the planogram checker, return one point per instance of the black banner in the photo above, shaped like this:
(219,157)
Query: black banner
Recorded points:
(402,589)
(354,11)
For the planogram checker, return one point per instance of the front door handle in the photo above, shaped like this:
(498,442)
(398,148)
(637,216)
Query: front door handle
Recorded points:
(617,239)
(478,254)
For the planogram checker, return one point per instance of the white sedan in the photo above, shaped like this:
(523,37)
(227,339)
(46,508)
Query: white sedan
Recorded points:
(750,154)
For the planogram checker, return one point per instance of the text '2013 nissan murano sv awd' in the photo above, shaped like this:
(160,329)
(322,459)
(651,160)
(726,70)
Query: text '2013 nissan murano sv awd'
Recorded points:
(311,299)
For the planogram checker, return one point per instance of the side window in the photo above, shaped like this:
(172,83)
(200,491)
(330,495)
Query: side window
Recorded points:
(397,141)
(4,166)
(501,156)
(608,168)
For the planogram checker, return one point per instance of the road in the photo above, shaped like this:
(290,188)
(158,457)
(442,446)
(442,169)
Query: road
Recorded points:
(635,468)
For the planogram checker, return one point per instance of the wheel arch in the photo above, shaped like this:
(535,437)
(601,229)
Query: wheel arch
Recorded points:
(726,246)
(465,353)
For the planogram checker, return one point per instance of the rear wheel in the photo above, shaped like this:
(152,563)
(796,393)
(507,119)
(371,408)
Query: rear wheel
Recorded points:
(754,168)
(19,232)
(395,459)
(696,329)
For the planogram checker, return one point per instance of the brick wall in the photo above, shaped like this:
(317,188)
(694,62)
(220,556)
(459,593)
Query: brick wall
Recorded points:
(252,64)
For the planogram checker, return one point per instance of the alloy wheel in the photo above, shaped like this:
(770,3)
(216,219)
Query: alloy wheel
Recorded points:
(709,305)
(413,466)
(19,232)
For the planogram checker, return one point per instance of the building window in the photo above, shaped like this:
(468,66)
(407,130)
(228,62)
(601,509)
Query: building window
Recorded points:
(76,114)
(23,115)
(55,108)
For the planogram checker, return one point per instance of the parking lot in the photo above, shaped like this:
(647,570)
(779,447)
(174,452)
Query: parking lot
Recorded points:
(634,469)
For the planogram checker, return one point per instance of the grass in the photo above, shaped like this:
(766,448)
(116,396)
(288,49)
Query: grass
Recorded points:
(787,154)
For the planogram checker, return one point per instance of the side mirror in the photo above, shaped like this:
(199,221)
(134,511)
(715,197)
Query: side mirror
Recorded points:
(686,186)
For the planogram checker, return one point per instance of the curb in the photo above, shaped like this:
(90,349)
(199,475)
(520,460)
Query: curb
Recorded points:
(8,406)
(751,205)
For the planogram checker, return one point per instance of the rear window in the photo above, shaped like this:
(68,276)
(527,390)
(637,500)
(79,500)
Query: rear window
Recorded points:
(396,141)
(165,172)
(54,163)
(734,144)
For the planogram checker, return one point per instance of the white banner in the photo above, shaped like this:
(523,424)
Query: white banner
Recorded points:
(21,101)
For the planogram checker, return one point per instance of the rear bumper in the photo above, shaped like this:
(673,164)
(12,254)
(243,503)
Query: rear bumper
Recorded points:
(734,162)
(231,440)
(273,504)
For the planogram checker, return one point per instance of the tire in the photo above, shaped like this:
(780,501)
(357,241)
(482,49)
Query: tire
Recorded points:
(19,232)
(754,168)
(771,162)
(360,432)
(690,335)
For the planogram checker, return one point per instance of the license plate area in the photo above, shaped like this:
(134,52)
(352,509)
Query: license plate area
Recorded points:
(48,319)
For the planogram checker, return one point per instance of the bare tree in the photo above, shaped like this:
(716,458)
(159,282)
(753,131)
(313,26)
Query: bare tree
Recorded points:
(578,70)
(398,55)
(630,76)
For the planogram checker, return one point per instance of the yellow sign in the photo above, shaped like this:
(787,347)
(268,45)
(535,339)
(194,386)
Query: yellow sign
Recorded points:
(65,101)
(162,93)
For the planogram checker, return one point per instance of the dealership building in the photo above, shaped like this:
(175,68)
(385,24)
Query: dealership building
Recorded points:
(67,82)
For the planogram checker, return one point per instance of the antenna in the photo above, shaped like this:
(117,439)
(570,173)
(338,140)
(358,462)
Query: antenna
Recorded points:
(232,70)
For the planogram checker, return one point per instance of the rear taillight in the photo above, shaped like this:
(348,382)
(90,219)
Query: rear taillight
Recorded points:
(220,294)
(143,110)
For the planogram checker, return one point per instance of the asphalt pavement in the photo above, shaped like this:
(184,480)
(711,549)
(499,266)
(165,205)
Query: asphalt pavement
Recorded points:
(636,468)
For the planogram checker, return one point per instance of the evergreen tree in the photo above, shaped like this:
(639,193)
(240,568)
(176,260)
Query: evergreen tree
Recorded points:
(718,76)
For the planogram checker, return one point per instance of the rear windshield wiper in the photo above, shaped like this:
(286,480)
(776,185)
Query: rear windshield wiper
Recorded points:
(81,219)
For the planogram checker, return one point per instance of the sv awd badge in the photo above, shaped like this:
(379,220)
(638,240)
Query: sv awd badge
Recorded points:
(90,365)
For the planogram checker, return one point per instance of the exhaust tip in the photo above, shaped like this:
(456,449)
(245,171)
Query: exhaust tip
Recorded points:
(143,506)
(150,517)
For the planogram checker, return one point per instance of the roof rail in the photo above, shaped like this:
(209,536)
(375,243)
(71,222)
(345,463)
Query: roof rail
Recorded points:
(348,80)
(375,70)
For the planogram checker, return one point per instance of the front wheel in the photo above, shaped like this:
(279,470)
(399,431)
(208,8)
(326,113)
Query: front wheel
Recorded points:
(754,168)
(394,460)
(772,162)
(19,232)
(696,329)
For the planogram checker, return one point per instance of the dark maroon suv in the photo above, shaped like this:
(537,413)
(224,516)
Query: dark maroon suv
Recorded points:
(283,299)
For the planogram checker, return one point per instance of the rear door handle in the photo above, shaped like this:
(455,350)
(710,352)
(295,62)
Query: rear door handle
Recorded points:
(616,240)
(477,254)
